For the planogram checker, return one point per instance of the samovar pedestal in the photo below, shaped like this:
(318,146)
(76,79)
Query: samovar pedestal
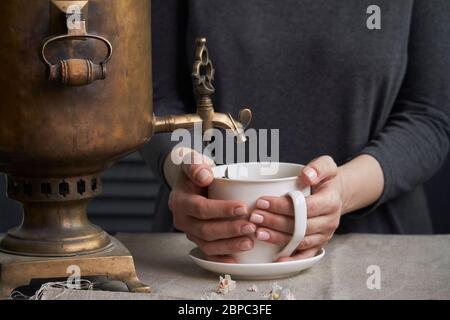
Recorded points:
(56,235)
(115,263)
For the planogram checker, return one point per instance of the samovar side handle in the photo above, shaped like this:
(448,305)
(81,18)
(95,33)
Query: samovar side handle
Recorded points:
(76,72)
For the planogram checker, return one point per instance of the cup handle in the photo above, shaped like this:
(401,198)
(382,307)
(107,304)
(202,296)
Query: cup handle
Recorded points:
(301,216)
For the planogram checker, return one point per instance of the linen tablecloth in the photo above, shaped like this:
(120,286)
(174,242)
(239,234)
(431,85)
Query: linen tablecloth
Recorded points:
(409,267)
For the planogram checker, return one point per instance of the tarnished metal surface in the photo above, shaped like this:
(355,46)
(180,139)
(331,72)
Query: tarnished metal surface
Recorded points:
(54,139)
(47,129)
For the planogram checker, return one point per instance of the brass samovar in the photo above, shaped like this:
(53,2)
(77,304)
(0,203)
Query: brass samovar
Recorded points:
(75,96)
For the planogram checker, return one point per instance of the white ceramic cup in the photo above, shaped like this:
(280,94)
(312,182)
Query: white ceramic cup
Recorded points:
(248,182)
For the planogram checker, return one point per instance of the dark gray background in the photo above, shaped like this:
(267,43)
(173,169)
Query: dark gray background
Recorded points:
(130,191)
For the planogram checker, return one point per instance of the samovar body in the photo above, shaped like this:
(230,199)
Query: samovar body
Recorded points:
(48,129)
(73,99)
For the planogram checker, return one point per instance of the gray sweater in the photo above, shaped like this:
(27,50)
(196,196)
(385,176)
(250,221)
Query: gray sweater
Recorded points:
(313,69)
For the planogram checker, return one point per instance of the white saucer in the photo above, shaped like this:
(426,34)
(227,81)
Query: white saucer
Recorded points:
(262,271)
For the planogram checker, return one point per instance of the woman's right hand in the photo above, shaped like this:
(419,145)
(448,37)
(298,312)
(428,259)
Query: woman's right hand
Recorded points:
(211,224)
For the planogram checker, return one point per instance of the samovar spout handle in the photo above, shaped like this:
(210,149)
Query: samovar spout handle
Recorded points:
(76,72)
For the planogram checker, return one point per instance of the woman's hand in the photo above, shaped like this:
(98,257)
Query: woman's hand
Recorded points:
(211,224)
(274,216)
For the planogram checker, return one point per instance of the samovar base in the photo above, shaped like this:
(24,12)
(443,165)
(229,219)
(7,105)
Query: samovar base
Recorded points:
(115,263)
(55,221)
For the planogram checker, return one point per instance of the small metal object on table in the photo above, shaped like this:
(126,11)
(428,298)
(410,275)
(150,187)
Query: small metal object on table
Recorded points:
(410,267)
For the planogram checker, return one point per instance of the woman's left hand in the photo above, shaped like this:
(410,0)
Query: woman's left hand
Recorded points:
(274,216)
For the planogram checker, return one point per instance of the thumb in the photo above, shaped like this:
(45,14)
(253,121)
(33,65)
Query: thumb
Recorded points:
(319,170)
(197,168)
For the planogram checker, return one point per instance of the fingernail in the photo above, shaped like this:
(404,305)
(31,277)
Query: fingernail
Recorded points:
(263,235)
(245,245)
(248,229)
(241,211)
(263,204)
(256,218)
(203,176)
(311,173)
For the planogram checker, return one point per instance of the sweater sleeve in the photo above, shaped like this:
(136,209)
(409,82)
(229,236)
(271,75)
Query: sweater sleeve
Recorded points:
(414,142)
(171,83)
